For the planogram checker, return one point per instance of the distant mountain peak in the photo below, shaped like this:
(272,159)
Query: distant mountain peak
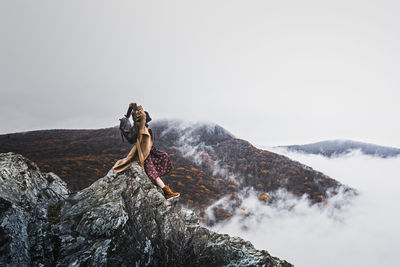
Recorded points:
(338,147)
(197,127)
(191,132)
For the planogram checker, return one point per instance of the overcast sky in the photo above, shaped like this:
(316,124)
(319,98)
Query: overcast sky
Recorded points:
(271,72)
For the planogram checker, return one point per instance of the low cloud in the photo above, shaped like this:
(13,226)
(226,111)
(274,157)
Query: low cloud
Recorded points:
(192,147)
(345,231)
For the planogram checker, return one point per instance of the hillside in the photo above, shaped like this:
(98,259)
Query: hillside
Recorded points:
(209,162)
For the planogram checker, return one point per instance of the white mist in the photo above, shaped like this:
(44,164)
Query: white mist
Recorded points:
(363,232)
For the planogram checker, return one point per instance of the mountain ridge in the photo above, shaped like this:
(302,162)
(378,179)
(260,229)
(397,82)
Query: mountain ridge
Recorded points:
(339,147)
(209,162)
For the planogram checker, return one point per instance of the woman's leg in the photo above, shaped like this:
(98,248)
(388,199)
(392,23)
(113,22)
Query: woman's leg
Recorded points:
(159,182)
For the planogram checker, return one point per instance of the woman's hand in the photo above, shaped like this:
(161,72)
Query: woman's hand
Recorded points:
(140,116)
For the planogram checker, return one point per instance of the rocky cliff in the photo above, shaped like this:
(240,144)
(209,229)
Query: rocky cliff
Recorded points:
(120,220)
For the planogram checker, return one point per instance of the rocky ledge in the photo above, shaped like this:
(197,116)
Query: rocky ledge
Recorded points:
(120,220)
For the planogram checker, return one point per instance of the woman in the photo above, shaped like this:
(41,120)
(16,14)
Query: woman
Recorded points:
(156,163)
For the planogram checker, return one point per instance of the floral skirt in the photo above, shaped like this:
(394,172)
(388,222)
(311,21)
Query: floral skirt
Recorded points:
(157,164)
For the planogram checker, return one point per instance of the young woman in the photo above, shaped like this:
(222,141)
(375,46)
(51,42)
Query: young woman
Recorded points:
(156,163)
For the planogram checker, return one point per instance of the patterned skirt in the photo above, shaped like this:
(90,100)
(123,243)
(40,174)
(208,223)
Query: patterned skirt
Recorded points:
(157,164)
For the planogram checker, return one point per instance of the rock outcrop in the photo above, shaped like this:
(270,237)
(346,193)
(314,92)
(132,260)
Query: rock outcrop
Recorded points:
(26,237)
(120,220)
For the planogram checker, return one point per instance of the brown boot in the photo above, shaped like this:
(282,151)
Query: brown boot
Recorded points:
(169,194)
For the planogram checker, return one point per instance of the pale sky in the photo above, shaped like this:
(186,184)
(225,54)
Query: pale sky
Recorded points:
(270,72)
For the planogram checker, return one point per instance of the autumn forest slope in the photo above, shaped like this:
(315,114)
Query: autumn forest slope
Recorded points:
(209,162)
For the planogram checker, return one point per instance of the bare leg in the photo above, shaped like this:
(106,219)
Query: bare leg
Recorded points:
(159,182)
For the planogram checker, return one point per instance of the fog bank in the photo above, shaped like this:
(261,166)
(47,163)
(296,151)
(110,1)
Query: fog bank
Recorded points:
(362,231)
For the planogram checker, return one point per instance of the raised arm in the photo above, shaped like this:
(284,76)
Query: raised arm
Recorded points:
(128,113)
(131,107)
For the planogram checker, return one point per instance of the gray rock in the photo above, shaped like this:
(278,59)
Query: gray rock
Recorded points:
(25,194)
(120,220)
